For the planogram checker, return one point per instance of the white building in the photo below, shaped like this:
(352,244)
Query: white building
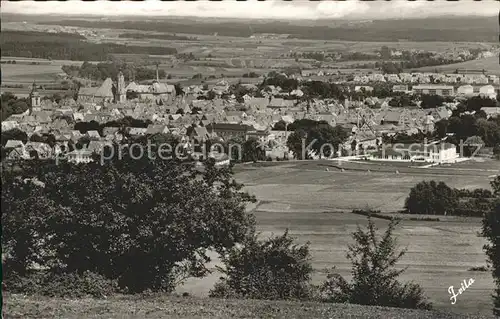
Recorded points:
(79,156)
(488,91)
(443,90)
(432,153)
(465,90)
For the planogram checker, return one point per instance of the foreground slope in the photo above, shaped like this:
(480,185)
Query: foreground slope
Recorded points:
(16,306)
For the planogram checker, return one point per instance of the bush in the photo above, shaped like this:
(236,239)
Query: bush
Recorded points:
(374,279)
(66,285)
(491,230)
(431,198)
(272,269)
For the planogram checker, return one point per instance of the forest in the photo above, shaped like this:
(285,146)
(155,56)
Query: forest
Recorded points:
(429,29)
(67,46)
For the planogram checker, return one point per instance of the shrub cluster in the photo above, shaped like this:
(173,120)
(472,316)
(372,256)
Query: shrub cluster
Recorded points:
(278,269)
(437,198)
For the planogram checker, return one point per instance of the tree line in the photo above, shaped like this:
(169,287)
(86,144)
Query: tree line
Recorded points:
(478,30)
(103,70)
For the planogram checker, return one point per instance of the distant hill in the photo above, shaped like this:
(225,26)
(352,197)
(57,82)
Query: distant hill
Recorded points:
(442,29)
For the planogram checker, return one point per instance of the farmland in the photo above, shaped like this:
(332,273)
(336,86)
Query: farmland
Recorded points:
(315,204)
(491,65)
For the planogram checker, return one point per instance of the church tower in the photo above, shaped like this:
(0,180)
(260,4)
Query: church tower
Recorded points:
(120,89)
(34,98)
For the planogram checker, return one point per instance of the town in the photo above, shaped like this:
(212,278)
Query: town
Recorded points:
(310,160)
(369,107)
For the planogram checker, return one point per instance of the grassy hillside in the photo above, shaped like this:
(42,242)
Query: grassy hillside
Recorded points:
(16,306)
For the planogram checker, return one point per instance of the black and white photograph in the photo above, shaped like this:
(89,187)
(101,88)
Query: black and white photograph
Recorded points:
(250,159)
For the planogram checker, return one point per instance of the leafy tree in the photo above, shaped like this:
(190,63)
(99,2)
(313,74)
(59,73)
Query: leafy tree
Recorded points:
(275,268)
(325,139)
(431,198)
(374,281)
(153,217)
(10,104)
(211,95)
(441,128)
(495,185)
(431,101)
(23,208)
(253,151)
(178,89)
(385,53)
(14,134)
(49,139)
(491,230)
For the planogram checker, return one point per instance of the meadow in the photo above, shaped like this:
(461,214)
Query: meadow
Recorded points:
(315,204)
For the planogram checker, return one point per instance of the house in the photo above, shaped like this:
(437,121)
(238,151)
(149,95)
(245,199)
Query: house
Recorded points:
(392,117)
(280,103)
(199,134)
(100,95)
(38,150)
(156,129)
(79,156)
(97,146)
(360,88)
(158,92)
(400,88)
(137,131)
(488,91)
(11,144)
(110,130)
(229,130)
(9,125)
(465,90)
(434,153)
(440,113)
(442,90)
(93,135)
(491,111)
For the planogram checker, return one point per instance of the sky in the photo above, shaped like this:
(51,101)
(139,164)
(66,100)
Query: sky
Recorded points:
(299,9)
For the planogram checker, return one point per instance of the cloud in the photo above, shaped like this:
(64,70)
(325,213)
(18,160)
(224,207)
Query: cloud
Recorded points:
(261,10)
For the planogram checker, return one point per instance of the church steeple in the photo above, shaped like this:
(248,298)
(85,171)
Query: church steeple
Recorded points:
(120,89)
(157,74)
(34,98)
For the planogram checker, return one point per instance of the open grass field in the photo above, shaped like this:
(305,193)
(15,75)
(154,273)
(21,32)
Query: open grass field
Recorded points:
(491,65)
(26,73)
(315,206)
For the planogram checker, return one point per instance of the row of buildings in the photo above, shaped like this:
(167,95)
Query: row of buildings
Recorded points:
(427,78)
(194,119)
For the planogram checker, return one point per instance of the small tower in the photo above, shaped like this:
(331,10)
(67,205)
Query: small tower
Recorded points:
(34,98)
(120,89)
(157,74)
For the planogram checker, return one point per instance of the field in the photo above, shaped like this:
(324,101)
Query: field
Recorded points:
(491,65)
(23,73)
(314,204)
